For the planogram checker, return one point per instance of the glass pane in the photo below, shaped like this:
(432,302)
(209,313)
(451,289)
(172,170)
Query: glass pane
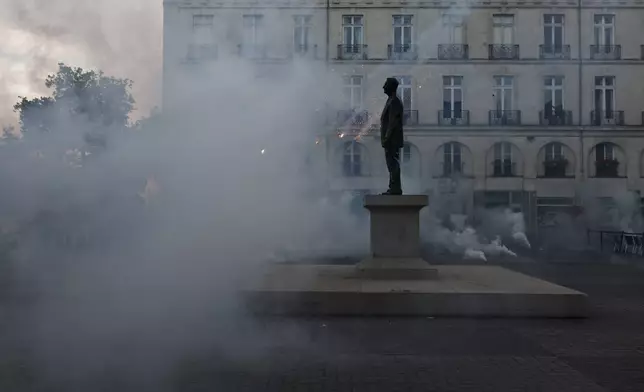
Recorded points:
(547,36)
(547,98)
(609,102)
(357,35)
(407,35)
(608,37)
(507,99)
(598,35)
(458,95)
(447,103)
(397,36)
(598,100)
(558,37)
(558,98)
(347,35)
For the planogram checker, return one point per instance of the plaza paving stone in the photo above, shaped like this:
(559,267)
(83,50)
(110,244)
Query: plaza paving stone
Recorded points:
(604,353)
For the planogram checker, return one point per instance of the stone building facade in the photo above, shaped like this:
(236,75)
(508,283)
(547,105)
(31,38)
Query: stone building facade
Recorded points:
(534,105)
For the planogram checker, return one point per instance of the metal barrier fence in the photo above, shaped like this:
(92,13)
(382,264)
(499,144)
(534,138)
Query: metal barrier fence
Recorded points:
(618,241)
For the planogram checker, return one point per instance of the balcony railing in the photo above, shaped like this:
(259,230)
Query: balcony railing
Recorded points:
(555,168)
(504,117)
(607,168)
(352,52)
(453,52)
(503,52)
(201,53)
(605,52)
(352,118)
(452,168)
(305,50)
(454,117)
(603,117)
(410,117)
(252,51)
(504,168)
(554,52)
(555,117)
(402,52)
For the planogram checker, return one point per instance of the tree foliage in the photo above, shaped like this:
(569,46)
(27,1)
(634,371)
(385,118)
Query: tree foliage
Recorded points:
(78,96)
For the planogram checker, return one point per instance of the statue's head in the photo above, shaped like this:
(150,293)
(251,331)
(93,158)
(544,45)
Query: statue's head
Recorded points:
(390,86)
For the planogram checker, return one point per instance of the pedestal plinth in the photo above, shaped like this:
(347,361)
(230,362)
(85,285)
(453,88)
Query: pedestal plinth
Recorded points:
(395,238)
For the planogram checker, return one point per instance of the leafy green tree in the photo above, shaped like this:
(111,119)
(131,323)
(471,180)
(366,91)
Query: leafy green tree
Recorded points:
(85,99)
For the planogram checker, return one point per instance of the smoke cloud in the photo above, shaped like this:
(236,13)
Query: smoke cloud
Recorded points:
(121,37)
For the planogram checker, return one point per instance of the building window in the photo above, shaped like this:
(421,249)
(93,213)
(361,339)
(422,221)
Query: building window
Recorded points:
(553,97)
(553,33)
(606,163)
(503,93)
(604,31)
(352,90)
(301,33)
(554,152)
(402,32)
(352,26)
(252,30)
(202,29)
(454,29)
(405,91)
(604,98)
(452,96)
(452,161)
(556,164)
(503,165)
(352,160)
(408,162)
(202,46)
(503,29)
(604,152)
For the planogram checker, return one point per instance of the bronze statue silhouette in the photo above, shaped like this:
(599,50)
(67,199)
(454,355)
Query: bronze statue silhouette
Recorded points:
(391,135)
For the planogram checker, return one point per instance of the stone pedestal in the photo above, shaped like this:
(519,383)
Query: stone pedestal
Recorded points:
(395,238)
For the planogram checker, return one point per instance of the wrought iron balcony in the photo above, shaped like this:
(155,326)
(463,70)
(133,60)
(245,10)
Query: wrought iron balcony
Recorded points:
(554,52)
(503,168)
(555,117)
(555,168)
(605,52)
(454,117)
(503,52)
(402,52)
(352,52)
(252,51)
(305,50)
(410,117)
(607,168)
(198,53)
(504,117)
(452,168)
(453,52)
(352,118)
(602,117)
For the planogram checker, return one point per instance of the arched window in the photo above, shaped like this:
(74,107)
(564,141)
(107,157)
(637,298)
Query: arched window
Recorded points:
(409,164)
(503,164)
(452,159)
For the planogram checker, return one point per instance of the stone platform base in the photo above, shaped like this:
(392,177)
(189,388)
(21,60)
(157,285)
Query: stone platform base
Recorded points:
(396,269)
(473,291)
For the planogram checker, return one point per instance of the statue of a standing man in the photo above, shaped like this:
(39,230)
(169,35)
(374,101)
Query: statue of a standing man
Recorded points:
(391,135)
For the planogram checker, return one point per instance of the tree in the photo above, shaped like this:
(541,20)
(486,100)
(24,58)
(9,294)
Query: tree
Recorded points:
(85,99)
